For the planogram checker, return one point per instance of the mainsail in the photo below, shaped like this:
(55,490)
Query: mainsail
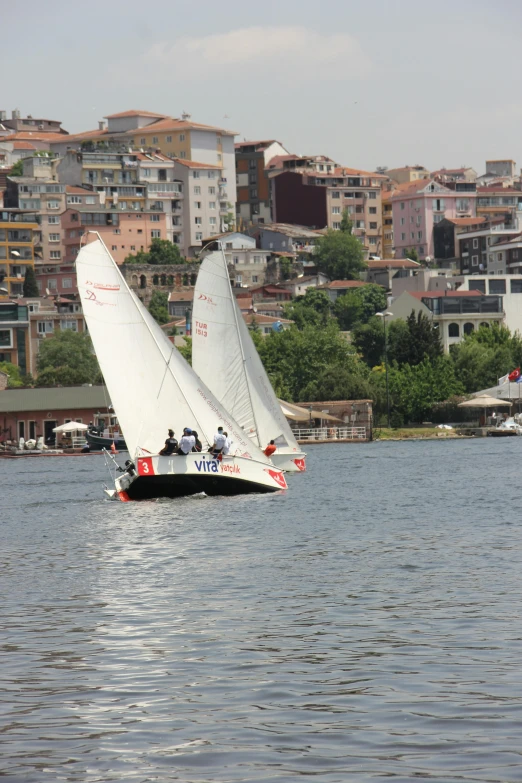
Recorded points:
(225,358)
(151,385)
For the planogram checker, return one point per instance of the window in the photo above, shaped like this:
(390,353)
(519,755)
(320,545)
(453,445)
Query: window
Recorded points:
(438,218)
(71,326)
(373,225)
(402,221)
(453,330)
(154,139)
(140,231)
(439,205)
(336,225)
(155,233)
(197,190)
(212,221)
(54,237)
(372,194)
(199,236)
(154,219)
(254,278)
(497,286)
(336,210)
(372,210)
(182,137)
(419,234)
(500,257)
(168,139)
(412,234)
(146,172)
(197,221)
(372,240)
(253,192)
(252,178)
(212,191)
(182,154)
(55,254)
(197,204)
(114,247)
(211,174)
(412,219)
(6,338)
(67,282)
(74,200)
(336,194)
(239,278)
(402,204)
(53,205)
(403,237)
(133,247)
(468,328)
(252,164)
(516,286)
(53,220)
(116,230)
(90,199)
(475,244)
(211,204)
(51,285)
(195,174)
(474,260)
(143,141)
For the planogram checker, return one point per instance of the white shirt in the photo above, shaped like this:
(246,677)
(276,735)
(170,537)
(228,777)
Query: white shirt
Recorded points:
(187,443)
(227,446)
(219,440)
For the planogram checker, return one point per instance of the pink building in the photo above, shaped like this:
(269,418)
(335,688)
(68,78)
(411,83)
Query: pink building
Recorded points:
(417,206)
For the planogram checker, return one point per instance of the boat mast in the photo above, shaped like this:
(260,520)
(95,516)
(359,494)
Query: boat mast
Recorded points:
(235,308)
(167,361)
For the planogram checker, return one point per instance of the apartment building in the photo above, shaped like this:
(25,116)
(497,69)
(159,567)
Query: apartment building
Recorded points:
(206,202)
(14,334)
(499,201)
(418,206)
(19,232)
(388,248)
(247,264)
(462,174)
(253,184)
(319,200)
(17,123)
(406,174)
(124,233)
(176,138)
(56,279)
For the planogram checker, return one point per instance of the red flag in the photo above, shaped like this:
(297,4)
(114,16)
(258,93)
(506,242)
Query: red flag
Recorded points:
(513,376)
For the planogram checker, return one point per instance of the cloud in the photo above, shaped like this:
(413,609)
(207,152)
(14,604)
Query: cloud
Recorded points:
(287,51)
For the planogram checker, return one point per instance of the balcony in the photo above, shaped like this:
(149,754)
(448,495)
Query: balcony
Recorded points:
(177,228)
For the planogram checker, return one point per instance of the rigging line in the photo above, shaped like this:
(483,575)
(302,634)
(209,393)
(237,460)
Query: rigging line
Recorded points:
(236,308)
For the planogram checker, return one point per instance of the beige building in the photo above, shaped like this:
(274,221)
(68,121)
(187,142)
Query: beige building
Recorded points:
(407,174)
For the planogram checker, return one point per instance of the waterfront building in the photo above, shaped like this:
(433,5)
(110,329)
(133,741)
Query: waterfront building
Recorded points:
(508,287)
(14,334)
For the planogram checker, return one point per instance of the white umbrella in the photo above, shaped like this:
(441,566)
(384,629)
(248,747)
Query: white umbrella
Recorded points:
(71,426)
(484,401)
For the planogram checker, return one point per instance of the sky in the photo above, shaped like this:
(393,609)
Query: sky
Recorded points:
(381,83)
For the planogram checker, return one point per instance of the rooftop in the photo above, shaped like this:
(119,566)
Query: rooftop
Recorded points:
(440,294)
(134,113)
(262,319)
(193,164)
(393,263)
(467,221)
(290,229)
(260,144)
(56,398)
(335,284)
(181,296)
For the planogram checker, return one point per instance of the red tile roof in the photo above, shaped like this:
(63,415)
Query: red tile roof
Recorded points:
(181,296)
(40,136)
(263,319)
(193,164)
(497,189)
(23,145)
(80,191)
(345,284)
(409,188)
(170,123)
(134,113)
(468,221)
(266,143)
(393,263)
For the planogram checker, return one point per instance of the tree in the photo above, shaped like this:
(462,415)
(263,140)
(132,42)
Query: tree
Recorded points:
(311,309)
(359,305)
(229,221)
(186,350)
(30,288)
(67,359)
(422,339)
(18,169)
(14,380)
(339,255)
(486,355)
(338,382)
(346,223)
(159,307)
(368,340)
(161,252)
(412,254)
(285,267)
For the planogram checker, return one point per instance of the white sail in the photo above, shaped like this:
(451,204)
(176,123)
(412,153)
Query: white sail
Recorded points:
(152,387)
(226,359)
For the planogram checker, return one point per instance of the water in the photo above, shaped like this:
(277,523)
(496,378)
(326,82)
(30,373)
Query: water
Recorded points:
(365,624)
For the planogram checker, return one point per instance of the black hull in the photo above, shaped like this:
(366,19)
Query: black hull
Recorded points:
(502,434)
(151,487)
(97,442)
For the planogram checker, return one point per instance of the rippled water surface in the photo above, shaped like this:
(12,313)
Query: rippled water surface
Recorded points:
(365,624)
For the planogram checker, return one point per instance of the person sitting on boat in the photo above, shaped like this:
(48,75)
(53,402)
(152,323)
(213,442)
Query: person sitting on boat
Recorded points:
(187,442)
(270,449)
(198,445)
(219,442)
(228,444)
(171,445)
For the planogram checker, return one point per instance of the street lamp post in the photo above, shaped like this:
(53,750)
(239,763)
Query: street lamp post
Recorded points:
(384,316)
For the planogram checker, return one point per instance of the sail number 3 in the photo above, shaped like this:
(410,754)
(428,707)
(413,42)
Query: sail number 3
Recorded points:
(145,466)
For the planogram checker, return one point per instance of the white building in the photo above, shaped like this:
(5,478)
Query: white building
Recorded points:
(509,287)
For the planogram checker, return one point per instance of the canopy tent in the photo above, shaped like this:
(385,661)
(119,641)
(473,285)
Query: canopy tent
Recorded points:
(298,413)
(71,426)
(484,401)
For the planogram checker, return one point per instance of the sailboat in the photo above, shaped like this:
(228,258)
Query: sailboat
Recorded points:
(153,389)
(225,358)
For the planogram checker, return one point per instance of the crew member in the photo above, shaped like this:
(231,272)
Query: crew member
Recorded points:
(219,442)
(270,449)
(228,444)
(198,445)
(187,442)
(171,445)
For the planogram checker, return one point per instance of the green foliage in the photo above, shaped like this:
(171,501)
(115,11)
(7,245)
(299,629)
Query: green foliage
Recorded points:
(338,382)
(30,288)
(159,307)
(346,223)
(412,254)
(162,252)
(340,255)
(18,169)
(359,305)
(296,359)
(486,355)
(312,309)
(66,359)
(368,340)
(186,350)
(14,380)
(229,220)
(285,266)
(422,339)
